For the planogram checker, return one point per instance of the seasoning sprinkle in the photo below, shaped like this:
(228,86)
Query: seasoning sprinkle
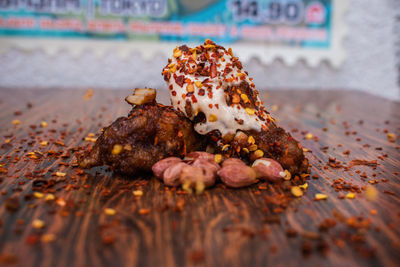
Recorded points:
(38,224)
(320,196)
(296,191)
(110,212)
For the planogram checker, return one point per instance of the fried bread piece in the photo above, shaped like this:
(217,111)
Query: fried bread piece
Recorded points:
(135,143)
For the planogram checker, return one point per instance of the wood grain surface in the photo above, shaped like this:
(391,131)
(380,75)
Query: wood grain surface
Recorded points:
(50,220)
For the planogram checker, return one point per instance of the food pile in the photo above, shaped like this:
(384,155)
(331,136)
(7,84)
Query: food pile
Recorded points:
(216,118)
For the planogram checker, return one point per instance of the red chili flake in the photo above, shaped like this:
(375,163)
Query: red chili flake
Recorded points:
(210,95)
(354,162)
(201,92)
(180,80)
(194,99)
(32,239)
(173,93)
(213,70)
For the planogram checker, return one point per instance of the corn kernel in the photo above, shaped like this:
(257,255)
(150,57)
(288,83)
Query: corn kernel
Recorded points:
(16,122)
(43,124)
(244,98)
(60,174)
(350,195)
(309,136)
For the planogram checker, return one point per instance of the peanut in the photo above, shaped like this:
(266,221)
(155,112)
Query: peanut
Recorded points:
(160,167)
(195,175)
(237,175)
(233,161)
(268,169)
(141,96)
(206,164)
(199,155)
(172,174)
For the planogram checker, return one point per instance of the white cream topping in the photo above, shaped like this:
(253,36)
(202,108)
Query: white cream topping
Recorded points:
(219,115)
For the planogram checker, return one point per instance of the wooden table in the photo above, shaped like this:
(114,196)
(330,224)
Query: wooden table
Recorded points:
(64,223)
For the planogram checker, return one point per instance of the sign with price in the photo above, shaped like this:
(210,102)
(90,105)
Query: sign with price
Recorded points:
(267,29)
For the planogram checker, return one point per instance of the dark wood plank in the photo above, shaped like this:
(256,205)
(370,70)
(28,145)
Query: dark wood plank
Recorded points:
(222,227)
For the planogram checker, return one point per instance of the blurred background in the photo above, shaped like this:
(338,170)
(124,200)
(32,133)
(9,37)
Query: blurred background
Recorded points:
(283,44)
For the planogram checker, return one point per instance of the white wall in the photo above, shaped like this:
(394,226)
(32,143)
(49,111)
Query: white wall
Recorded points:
(371,64)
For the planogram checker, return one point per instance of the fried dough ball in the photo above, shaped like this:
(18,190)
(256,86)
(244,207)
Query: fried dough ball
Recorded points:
(135,143)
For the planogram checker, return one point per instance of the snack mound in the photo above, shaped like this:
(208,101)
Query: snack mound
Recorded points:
(215,106)
(208,84)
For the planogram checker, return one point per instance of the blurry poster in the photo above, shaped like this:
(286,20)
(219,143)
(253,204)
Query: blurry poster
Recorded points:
(289,29)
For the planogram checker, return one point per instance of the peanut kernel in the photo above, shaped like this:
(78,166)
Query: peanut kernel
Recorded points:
(296,191)
(244,98)
(251,140)
(38,224)
(253,147)
(198,84)
(177,53)
(286,175)
(250,111)
(258,153)
(217,158)
(109,211)
(235,99)
(116,149)
(309,136)
(190,88)
(320,196)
